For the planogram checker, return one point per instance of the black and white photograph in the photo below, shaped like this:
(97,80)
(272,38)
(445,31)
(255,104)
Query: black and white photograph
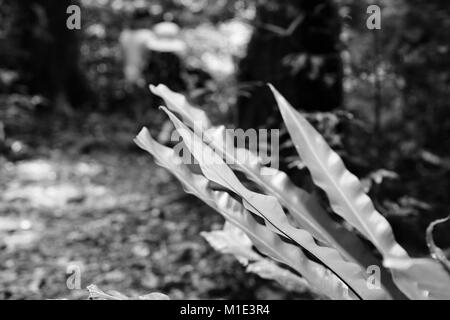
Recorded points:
(223,155)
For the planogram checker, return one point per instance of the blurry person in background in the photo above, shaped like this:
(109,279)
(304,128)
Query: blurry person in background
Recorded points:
(150,55)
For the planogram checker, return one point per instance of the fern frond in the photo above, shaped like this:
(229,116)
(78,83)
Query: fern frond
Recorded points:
(304,207)
(268,208)
(321,279)
(417,278)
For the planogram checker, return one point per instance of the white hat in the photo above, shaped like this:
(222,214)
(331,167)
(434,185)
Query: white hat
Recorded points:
(165,37)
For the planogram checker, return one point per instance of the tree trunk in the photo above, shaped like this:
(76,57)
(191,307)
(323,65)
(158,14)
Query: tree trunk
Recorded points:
(51,60)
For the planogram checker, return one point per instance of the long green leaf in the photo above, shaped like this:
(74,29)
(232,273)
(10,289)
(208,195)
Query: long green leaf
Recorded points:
(319,277)
(179,104)
(232,240)
(344,190)
(419,280)
(436,252)
(268,208)
(304,207)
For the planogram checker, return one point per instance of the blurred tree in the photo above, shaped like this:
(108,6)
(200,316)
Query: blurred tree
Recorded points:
(47,52)
(296,47)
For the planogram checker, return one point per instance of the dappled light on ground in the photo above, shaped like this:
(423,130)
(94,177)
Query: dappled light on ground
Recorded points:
(120,220)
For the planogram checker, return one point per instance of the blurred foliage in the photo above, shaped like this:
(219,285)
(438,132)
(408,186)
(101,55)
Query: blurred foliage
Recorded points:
(295,46)
(402,70)
(104,20)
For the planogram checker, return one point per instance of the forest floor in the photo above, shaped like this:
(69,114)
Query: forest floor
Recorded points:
(83,199)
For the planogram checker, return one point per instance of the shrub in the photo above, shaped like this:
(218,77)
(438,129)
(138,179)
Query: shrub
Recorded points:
(289,225)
